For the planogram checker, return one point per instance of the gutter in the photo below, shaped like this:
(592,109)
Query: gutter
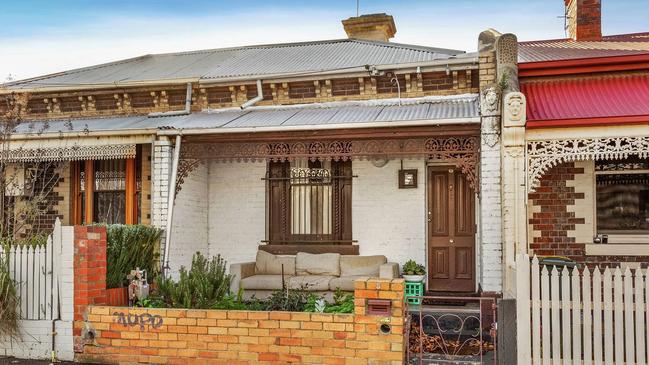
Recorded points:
(423,122)
(186,111)
(256,99)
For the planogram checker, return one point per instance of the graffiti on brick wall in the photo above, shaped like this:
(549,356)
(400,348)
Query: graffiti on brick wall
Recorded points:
(142,320)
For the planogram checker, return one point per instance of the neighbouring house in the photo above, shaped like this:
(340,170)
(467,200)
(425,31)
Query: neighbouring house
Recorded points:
(580,130)
(357,146)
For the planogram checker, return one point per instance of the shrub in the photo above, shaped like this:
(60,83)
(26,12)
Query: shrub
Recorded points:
(413,268)
(202,287)
(288,300)
(8,303)
(128,247)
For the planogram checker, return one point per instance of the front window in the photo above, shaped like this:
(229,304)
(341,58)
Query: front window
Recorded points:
(309,202)
(622,188)
(106,191)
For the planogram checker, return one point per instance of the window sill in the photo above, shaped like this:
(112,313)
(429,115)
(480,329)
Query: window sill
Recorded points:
(617,249)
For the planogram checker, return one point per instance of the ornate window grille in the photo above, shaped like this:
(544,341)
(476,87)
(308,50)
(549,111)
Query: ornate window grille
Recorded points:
(309,202)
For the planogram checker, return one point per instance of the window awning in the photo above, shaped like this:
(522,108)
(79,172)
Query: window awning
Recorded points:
(587,101)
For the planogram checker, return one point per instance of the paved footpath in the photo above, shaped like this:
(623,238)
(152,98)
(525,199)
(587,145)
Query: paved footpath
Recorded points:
(14,361)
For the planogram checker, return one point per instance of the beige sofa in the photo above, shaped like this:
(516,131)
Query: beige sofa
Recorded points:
(319,273)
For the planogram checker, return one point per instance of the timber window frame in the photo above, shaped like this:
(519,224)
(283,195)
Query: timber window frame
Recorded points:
(84,192)
(309,202)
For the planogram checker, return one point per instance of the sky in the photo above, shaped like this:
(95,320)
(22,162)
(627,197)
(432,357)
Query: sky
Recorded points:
(39,37)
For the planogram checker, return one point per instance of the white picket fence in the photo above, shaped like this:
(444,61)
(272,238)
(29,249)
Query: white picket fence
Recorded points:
(35,271)
(581,316)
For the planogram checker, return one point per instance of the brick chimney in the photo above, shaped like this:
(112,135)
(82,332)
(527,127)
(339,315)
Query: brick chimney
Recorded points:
(584,19)
(373,27)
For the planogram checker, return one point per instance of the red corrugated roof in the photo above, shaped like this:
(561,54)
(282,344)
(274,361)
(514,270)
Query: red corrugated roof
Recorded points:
(591,100)
(568,49)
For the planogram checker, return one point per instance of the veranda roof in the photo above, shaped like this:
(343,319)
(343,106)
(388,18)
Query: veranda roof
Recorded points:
(591,100)
(389,112)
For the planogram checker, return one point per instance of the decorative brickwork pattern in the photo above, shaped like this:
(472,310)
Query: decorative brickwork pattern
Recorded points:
(553,220)
(178,336)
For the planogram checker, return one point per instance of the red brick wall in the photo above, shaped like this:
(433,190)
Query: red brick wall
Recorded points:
(554,222)
(89,271)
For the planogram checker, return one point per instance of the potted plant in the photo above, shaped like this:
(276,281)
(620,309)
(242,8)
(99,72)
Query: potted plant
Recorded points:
(414,272)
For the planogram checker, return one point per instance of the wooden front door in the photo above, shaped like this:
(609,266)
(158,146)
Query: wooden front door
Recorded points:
(451,231)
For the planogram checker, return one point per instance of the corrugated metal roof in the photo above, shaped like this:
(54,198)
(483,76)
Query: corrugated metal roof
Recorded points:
(595,97)
(566,49)
(343,113)
(251,61)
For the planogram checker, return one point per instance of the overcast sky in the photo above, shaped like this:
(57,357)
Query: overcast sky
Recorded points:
(46,36)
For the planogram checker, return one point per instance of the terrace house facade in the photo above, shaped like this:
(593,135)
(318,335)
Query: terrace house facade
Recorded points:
(354,146)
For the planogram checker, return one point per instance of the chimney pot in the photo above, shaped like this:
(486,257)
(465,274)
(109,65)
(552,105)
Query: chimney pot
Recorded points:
(374,27)
(584,19)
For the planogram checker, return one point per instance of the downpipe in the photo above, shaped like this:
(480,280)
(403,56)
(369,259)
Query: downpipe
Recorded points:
(256,99)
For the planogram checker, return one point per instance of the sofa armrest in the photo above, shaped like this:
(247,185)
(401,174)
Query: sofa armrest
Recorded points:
(389,270)
(240,271)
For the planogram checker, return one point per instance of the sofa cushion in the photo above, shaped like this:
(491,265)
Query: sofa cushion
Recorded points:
(317,264)
(262,282)
(361,265)
(310,282)
(269,264)
(345,283)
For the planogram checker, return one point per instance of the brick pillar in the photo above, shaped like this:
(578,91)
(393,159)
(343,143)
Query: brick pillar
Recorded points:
(89,271)
(384,333)
(162,157)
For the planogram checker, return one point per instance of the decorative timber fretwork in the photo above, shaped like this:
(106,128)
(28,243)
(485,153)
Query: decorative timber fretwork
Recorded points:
(72,153)
(543,155)
(463,151)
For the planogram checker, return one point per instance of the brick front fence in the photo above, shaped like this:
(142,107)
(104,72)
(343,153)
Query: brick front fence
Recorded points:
(373,334)
(181,336)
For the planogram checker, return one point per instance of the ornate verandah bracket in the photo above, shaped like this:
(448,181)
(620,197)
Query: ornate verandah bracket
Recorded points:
(543,155)
(462,151)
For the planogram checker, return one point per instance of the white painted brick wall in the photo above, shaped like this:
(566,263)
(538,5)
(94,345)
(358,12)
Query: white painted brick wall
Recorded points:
(490,223)
(190,225)
(237,209)
(387,220)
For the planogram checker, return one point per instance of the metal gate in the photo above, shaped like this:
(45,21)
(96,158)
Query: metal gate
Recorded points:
(452,330)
